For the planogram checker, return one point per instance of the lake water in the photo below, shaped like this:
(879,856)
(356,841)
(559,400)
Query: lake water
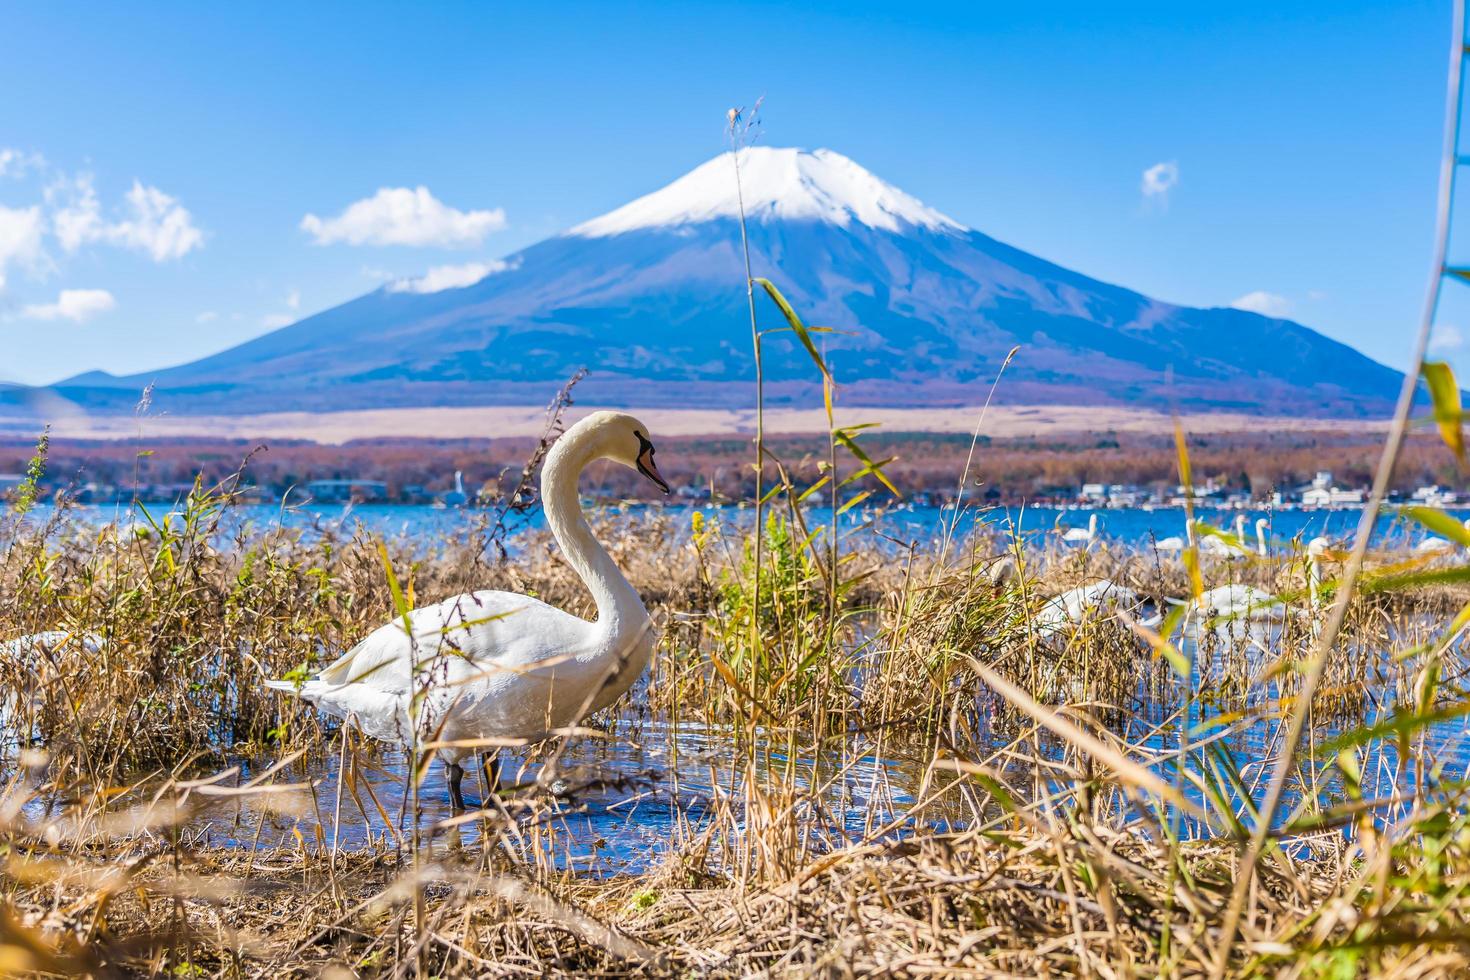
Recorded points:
(1136,528)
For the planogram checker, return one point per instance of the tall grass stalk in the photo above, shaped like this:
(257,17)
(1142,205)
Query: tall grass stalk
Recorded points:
(739,128)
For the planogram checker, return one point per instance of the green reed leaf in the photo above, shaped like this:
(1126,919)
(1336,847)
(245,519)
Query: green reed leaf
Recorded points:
(797,326)
(1448,413)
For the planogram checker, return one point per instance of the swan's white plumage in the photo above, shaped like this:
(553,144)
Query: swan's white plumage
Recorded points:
(1078,535)
(498,665)
(50,641)
(1100,599)
(1239,602)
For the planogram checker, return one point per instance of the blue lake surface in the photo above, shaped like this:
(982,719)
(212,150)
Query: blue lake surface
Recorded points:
(1135,527)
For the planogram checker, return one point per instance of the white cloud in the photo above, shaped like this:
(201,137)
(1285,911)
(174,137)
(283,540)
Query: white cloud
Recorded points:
(18,163)
(1159,180)
(153,222)
(20,238)
(273,321)
(293,299)
(400,216)
(1446,337)
(72,304)
(1264,303)
(208,316)
(442,277)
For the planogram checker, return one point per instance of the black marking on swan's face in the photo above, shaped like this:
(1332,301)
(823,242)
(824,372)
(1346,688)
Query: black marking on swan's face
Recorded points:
(645,461)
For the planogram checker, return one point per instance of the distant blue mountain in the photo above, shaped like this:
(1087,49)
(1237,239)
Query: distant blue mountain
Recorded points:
(651,299)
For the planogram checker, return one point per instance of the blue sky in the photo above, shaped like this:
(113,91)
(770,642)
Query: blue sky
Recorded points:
(163,157)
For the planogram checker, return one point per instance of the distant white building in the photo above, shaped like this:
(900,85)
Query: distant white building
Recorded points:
(1121,496)
(1324,493)
(1428,496)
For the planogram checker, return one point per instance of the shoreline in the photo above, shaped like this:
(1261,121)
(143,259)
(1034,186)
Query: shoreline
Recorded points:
(336,428)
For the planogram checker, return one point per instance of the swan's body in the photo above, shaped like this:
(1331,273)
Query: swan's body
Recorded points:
(50,641)
(1081,536)
(1174,544)
(1435,544)
(495,664)
(1102,597)
(1240,602)
(1222,548)
(498,665)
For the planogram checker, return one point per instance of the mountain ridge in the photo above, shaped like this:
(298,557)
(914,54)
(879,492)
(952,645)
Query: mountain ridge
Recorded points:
(651,297)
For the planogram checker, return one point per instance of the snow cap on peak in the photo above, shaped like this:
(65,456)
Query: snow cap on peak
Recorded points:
(777,184)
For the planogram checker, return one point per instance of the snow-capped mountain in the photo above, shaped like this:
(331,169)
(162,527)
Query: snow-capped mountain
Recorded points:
(651,298)
(777,185)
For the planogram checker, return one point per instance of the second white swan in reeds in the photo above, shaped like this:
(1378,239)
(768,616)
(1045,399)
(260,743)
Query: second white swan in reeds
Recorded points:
(489,665)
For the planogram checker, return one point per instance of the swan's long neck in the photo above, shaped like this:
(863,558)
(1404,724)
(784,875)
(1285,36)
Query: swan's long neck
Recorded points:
(619,606)
(1261,548)
(1314,582)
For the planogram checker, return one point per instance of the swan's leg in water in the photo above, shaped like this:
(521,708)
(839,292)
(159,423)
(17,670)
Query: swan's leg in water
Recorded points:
(455,772)
(491,762)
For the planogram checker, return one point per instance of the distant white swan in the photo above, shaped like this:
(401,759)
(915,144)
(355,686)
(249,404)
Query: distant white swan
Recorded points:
(1434,543)
(1079,536)
(491,664)
(457,497)
(1219,547)
(1262,548)
(1174,544)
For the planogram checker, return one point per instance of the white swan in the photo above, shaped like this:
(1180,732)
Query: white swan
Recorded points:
(50,641)
(1219,547)
(457,497)
(1174,544)
(496,664)
(1262,548)
(1078,536)
(1316,548)
(1239,601)
(1103,596)
(1435,544)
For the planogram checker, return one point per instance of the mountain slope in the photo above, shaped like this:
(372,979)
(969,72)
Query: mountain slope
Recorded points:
(651,298)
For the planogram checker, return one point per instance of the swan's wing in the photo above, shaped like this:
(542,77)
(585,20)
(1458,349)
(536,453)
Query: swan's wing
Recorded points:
(483,629)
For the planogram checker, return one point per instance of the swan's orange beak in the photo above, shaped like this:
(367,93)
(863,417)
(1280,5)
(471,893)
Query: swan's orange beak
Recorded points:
(645,463)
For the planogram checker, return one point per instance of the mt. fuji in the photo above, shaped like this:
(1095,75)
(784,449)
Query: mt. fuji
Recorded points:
(651,299)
